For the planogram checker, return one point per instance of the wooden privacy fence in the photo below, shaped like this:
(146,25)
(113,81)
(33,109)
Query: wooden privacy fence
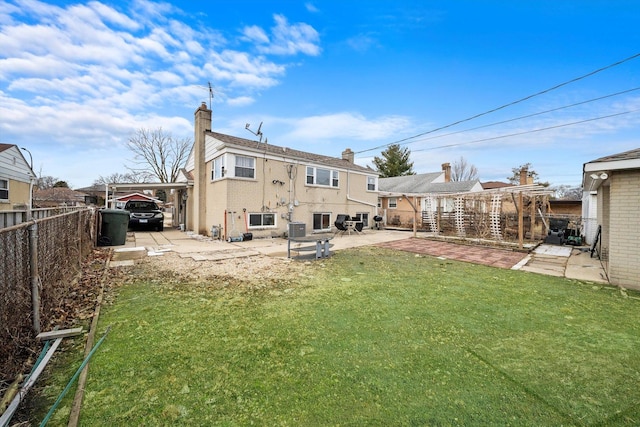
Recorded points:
(38,260)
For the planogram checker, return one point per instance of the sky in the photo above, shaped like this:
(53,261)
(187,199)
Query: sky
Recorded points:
(498,84)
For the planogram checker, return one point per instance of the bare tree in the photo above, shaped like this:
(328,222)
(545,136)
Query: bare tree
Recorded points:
(463,171)
(158,154)
(567,192)
(120,178)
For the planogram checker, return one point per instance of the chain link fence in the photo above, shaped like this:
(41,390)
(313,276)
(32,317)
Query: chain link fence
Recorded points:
(44,255)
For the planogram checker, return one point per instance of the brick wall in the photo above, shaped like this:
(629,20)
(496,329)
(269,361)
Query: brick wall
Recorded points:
(624,229)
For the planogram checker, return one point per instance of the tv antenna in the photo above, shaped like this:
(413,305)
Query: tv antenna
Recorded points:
(210,95)
(257,133)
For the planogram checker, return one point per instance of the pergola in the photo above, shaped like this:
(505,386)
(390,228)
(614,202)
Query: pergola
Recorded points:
(492,201)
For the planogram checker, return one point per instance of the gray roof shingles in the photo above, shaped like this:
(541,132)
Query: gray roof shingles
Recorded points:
(423,184)
(262,147)
(627,155)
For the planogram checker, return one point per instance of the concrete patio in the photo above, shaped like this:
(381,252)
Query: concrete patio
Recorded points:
(567,261)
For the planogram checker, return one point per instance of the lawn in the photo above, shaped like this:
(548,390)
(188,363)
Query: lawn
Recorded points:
(368,337)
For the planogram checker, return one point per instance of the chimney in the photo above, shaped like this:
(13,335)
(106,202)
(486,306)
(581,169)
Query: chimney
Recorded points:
(201,126)
(446,168)
(348,155)
(524,178)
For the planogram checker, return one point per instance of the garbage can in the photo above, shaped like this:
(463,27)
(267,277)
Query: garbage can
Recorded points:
(114,227)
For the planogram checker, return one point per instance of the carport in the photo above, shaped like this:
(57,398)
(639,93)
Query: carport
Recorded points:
(176,194)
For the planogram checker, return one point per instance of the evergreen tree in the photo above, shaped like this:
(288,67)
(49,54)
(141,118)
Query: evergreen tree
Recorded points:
(394,162)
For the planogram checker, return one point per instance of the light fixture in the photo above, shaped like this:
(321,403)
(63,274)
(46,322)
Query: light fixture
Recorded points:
(599,175)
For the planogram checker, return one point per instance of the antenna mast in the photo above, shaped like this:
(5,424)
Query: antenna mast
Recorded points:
(210,95)
(257,133)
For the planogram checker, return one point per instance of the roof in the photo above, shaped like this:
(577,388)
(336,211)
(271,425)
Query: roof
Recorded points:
(58,194)
(408,183)
(627,155)
(595,172)
(490,185)
(5,147)
(263,147)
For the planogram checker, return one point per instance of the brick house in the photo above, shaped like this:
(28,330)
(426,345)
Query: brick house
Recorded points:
(241,185)
(16,179)
(613,183)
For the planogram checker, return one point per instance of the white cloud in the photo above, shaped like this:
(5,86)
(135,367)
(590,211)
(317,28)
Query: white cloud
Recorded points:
(240,101)
(286,39)
(311,7)
(347,126)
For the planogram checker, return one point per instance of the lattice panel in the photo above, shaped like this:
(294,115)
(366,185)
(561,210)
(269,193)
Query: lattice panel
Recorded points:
(459,207)
(496,208)
(429,214)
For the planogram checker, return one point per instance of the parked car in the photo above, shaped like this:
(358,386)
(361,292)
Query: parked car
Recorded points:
(143,213)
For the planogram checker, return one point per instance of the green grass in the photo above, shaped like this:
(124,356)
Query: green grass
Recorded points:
(369,337)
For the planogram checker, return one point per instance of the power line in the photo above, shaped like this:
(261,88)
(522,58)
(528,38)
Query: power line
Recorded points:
(527,132)
(508,104)
(525,116)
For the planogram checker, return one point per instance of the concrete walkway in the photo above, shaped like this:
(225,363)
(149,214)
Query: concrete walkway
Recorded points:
(567,261)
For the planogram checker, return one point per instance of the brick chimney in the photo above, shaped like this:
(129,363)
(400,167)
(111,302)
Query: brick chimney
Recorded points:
(524,176)
(446,168)
(348,155)
(202,124)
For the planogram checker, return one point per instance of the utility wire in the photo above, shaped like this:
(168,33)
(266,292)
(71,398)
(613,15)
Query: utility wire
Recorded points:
(523,117)
(508,104)
(528,131)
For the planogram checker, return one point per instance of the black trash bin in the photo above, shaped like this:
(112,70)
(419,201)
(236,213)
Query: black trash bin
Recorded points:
(114,227)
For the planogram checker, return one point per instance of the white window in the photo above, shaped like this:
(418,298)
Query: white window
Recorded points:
(372,182)
(321,221)
(379,202)
(259,220)
(393,202)
(364,217)
(245,167)
(218,168)
(324,177)
(4,189)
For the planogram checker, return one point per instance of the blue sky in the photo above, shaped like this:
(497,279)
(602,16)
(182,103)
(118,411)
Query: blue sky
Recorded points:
(78,78)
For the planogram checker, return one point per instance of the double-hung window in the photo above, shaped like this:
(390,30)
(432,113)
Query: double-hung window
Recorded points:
(218,168)
(324,177)
(245,167)
(371,183)
(263,219)
(393,202)
(4,189)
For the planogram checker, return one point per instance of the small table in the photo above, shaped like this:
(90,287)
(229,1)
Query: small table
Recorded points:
(351,226)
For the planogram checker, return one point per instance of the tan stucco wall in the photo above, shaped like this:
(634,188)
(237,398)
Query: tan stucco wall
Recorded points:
(624,229)
(18,195)
(263,195)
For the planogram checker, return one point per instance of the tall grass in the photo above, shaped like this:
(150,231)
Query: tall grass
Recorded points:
(369,337)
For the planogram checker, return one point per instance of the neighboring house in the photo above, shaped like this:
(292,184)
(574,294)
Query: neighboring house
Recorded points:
(240,185)
(399,195)
(120,201)
(613,182)
(16,179)
(58,196)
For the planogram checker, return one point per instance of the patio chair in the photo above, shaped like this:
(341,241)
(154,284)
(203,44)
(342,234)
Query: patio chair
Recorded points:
(339,223)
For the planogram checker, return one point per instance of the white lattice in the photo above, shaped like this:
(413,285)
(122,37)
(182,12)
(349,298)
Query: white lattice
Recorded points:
(459,207)
(429,213)
(496,207)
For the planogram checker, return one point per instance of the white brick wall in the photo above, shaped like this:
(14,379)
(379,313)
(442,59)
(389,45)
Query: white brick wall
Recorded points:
(624,229)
